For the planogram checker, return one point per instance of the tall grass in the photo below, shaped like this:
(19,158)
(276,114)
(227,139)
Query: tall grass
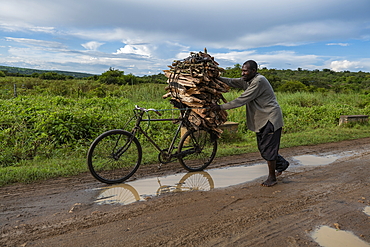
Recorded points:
(44,133)
(304,111)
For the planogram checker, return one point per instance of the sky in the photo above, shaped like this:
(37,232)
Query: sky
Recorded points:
(144,37)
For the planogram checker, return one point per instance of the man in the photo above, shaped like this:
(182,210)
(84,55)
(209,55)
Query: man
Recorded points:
(264,116)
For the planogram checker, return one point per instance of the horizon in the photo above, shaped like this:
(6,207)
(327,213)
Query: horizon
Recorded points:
(70,71)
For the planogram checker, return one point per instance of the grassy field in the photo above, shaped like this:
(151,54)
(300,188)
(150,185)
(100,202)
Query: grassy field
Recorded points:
(46,130)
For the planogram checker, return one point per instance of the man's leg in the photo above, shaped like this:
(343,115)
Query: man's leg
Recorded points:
(268,142)
(271,179)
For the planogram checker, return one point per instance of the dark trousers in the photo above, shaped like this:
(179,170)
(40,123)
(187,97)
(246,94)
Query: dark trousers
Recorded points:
(268,142)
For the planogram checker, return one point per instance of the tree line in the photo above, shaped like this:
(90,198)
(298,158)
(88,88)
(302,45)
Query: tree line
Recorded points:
(311,80)
(281,80)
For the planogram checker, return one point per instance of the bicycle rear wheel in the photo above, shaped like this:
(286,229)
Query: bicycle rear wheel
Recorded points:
(197,149)
(114,156)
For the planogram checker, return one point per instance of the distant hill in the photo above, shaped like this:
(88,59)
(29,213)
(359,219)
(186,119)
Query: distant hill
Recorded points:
(24,71)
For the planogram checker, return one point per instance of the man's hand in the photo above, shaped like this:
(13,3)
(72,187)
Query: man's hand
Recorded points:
(215,108)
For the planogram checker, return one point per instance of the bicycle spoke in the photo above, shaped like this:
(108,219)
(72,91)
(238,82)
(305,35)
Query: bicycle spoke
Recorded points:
(196,181)
(197,149)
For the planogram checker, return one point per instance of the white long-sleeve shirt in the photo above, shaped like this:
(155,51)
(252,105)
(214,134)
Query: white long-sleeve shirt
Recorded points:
(260,101)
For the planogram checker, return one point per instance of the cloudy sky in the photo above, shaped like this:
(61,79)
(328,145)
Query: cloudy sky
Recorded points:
(142,37)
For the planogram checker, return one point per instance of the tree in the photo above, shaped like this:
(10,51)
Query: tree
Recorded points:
(52,76)
(113,76)
(130,79)
(293,86)
(233,72)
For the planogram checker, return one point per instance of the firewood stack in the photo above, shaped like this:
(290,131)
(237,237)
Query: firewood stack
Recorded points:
(193,83)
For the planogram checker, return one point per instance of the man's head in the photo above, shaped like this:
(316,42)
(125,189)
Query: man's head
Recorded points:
(249,70)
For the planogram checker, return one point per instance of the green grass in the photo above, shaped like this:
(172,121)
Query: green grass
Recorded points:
(312,137)
(44,135)
(75,163)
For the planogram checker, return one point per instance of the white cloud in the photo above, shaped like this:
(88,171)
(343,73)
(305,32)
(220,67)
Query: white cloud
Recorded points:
(340,44)
(271,60)
(134,49)
(92,45)
(25,27)
(345,65)
(104,34)
(37,43)
(293,34)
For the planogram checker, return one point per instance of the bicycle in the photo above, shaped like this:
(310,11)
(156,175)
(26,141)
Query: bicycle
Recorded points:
(115,155)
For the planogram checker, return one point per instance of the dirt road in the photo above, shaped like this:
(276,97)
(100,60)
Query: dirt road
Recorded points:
(62,212)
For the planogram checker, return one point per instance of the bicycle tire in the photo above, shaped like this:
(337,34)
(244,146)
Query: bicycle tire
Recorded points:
(199,148)
(114,156)
(196,181)
(118,194)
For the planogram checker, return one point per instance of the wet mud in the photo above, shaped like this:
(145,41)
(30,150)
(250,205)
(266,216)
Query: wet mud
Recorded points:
(325,191)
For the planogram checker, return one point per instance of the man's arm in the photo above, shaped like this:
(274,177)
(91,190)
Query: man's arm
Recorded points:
(234,82)
(252,92)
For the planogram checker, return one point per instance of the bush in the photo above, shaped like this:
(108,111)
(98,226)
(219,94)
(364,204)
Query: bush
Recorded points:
(112,76)
(292,86)
(52,76)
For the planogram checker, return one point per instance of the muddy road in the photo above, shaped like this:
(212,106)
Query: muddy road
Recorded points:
(65,212)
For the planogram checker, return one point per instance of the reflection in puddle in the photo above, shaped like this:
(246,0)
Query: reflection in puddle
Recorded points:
(367,210)
(313,160)
(143,189)
(128,193)
(122,194)
(329,237)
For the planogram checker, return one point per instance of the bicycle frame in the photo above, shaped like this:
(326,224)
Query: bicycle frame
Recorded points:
(166,154)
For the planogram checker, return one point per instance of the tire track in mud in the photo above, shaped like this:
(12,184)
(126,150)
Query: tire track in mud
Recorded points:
(276,222)
(244,215)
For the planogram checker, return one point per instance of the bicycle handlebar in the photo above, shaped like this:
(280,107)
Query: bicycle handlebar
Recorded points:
(147,110)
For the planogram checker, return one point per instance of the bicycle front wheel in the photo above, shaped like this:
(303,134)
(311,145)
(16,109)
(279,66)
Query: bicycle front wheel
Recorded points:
(114,156)
(197,148)
(200,181)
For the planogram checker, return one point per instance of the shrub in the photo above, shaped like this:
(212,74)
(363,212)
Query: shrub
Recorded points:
(292,86)
(112,76)
(52,76)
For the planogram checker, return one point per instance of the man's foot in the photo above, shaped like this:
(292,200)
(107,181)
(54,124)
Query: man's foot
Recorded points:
(269,183)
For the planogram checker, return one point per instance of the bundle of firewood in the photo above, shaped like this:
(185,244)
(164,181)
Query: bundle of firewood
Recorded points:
(193,83)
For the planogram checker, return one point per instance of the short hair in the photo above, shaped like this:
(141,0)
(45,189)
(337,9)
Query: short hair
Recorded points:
(252,64)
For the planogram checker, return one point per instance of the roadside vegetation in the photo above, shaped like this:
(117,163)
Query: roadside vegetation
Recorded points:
(48,120)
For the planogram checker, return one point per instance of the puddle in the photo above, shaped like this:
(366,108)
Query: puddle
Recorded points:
(367,210)
(143,189)
(314,160)
(329,237)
